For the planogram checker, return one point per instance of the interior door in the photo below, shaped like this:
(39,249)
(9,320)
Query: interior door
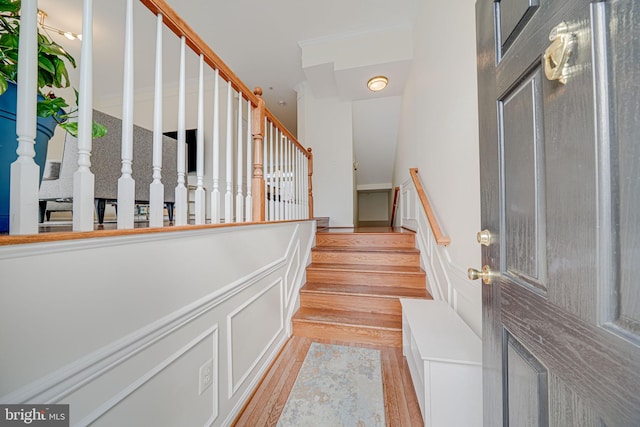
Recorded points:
(560,180)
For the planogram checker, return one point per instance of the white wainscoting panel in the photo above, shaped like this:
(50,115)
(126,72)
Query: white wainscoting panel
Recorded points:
(118,327)
(249,340)
(446,281)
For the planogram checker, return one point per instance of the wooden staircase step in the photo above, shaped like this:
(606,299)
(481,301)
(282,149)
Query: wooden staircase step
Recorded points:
(364,274)
(379,240)
(409,257)
(357,327)
(360,298)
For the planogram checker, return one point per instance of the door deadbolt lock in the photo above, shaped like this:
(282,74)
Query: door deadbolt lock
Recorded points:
(484,237)
(485,274)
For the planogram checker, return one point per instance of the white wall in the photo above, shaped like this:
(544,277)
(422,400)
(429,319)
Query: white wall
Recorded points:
(118,327)
(373,205)
(439,135)
(325,125)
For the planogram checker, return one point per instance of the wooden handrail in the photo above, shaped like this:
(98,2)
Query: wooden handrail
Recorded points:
(441,239)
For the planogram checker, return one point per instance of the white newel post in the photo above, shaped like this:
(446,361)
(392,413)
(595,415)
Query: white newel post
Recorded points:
(156,188)
(215,192)
(126,183)
(25,173)
(239,174)
(200,194)
(249,201)
(228,196)
(83,179)
(181,210)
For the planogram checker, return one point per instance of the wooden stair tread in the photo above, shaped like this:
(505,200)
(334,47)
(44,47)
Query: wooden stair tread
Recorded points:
(330,248)
(391,269)
(391,322)
(365,290)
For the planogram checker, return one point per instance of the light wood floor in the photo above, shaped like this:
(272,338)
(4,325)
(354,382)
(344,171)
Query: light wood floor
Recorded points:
(268,401)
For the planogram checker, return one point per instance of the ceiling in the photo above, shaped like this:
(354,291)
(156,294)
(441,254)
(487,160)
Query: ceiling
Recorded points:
(262,42)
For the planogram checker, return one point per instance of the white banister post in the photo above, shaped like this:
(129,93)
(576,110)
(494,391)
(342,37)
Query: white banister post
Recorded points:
(228,196)
(83,179)
(277,173)
(181,192)
(239,174)
(25,173)
(126,183)
(200,194)
(272,206)
(265,156)
(249,201)
(156,188)
(215,191)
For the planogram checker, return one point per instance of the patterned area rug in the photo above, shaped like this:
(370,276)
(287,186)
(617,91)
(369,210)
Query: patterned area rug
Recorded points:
(336,386)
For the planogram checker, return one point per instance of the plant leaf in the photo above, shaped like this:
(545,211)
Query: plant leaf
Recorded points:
(46,64)
(71,127)
(3,86)
(98,130)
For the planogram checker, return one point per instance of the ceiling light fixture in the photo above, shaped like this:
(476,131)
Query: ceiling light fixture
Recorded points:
(377,83)
(68,34)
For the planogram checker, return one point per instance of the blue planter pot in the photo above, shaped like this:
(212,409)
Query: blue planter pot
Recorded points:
(9,145)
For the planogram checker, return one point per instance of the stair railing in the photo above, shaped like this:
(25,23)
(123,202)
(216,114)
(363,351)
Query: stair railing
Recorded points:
(440,238)
(271,170)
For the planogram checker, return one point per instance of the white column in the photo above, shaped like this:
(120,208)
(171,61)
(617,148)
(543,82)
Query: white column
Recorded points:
(156,188)
(200,194)
(25,173)
(215,191)
(83,179)
(228,196)
(249,201)
(126,183)
(240,163)
(181,192)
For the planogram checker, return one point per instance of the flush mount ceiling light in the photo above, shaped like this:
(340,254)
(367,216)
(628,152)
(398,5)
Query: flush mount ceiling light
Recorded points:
(377,83)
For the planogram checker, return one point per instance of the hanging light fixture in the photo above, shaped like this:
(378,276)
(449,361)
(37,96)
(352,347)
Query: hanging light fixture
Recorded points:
(68,34)
(377,83)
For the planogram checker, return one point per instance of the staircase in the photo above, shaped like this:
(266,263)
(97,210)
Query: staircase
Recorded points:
(354,284)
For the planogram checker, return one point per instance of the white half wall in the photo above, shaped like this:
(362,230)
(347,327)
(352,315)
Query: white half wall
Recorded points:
(439,133)
(119,327)
(326,126)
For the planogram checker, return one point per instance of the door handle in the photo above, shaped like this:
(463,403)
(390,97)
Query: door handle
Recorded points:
(558,54)
(485,274)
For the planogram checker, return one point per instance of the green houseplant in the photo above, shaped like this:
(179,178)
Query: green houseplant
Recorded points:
(52,69)
(52,110)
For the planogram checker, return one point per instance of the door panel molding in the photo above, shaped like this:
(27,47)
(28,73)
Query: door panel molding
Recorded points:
(524,379)
(589,359)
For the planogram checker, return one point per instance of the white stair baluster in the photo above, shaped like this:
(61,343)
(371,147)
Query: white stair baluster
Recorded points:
(228,196)
(181,192)
(287,179)
(215,192)
(278,165)
(83,178)
(156,188)
(25,173)
(272,189)
(200,194)
(249,201)
(126,183)
(240,163)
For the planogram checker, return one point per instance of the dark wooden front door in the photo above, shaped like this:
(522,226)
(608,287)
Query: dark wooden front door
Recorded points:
(560,179)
